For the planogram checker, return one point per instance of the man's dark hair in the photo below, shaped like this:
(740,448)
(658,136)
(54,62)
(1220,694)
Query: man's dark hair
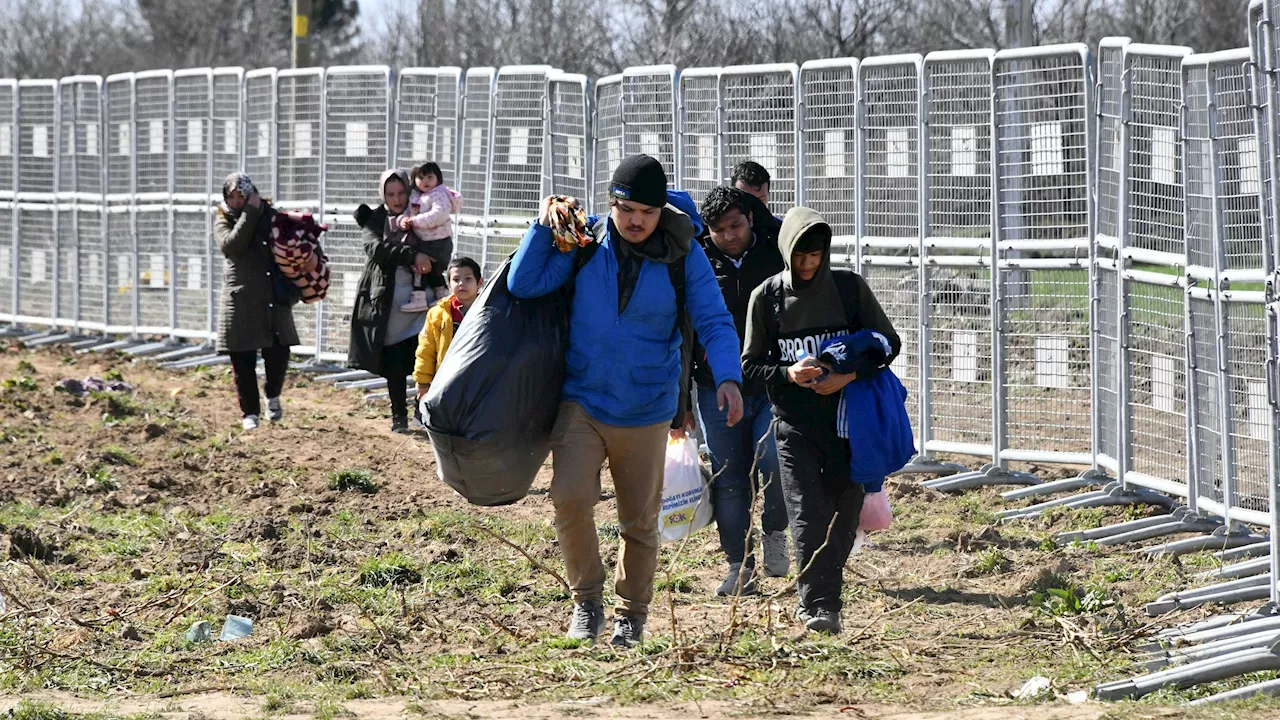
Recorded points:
(465,262)
(751,173)
(720,200)
(425,169)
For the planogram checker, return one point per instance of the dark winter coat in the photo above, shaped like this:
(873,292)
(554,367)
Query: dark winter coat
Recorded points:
(761,261)
(377,287)
(251,317)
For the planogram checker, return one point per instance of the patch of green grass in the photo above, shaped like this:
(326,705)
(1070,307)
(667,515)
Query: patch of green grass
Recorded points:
(352,480)
(973,508)
(113,375)
(677,582)
(101,479)
(1071,600)
(26,368)
(116,455)
(991,562)
(393,569)
(1117,575)
(54,458)
(21,382)
(119,406)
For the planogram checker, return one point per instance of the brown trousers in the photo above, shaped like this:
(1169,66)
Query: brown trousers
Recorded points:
(580,445)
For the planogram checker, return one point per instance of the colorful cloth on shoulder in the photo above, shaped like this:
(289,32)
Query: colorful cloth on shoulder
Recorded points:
(295,244)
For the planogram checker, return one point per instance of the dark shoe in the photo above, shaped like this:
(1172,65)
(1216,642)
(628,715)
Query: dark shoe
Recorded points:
(587,622)
(820,620)
(777,562)
(729,587)
(628,631)
(400,425)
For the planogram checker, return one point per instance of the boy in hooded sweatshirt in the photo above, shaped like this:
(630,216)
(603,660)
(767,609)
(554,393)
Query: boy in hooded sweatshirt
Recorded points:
(790,316)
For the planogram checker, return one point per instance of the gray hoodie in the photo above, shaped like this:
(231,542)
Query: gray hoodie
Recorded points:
(832,303)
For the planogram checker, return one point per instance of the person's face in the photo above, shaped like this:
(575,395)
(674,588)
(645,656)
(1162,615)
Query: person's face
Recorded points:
(464,285)
(760,191)
(395,196)
(427,183)
(805,265)
(636,222)
(732,234)
(236,200)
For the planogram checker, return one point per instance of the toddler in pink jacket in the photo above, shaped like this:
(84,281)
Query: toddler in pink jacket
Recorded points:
(431,205)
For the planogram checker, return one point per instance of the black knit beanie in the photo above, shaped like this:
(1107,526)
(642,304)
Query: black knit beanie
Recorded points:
(640,179)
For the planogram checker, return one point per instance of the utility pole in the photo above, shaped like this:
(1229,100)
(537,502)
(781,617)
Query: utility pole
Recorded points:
(1019,23)
(301,33)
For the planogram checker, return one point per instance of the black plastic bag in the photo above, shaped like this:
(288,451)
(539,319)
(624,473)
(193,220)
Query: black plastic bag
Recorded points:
(495,397)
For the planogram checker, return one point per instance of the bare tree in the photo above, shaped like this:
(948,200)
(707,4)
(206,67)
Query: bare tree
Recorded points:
(51,38)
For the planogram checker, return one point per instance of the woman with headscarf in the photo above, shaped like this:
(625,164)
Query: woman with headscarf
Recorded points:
(254,319)
(383,337)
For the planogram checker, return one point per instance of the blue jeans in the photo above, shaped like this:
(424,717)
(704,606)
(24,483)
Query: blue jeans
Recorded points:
(734,451)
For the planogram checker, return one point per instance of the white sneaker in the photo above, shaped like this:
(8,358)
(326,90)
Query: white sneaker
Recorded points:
(777,562)
(417,302)
(250,422)
(275,411)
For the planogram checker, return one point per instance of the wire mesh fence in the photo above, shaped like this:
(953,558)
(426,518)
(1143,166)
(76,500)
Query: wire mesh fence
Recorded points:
(1132,335)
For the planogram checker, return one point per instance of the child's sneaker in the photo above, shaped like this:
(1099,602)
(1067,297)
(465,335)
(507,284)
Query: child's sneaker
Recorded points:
(417,302)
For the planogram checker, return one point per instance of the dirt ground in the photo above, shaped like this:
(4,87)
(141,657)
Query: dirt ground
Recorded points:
(126,518)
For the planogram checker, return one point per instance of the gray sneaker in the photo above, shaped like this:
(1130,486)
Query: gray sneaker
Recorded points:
(588,620)
(729,587)
(628,631)
(777,561)
(250,422)
(820,620)
(275,411)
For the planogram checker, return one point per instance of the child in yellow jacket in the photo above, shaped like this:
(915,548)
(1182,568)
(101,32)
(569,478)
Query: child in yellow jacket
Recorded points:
(463,275)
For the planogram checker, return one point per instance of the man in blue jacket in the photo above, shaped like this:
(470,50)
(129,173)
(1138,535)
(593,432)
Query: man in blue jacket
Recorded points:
(622,380)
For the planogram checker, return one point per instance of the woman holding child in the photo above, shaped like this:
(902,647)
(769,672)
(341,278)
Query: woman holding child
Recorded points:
(384,338)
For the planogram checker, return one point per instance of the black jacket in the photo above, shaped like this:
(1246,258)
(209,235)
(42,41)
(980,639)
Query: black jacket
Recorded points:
(761,262)
(377,286)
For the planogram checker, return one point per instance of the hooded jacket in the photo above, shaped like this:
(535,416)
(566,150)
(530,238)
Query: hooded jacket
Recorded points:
(623,361)
(787,317)
(385,250)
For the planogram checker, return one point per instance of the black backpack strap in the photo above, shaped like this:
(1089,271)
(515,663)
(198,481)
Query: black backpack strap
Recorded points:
(676,272)
(847,286)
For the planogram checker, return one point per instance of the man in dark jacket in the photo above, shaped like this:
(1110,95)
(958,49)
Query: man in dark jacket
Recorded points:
(790,316)
(744,458)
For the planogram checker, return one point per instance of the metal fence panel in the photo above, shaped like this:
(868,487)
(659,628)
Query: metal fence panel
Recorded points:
(8,270)
(228,126)
(192,134)
(828,97)
(345,249)
(91,276)
(1240,259)
(192,280)
(1043,132)
(569,128)
(606,136)
(474,173)
(1153,351)
(66,265)
(650,115)
(299,136)
(889,135)
(152,228)
(957,391)
(118,272)
(153,134)
(36,266)
(427,107)
(1109,180)
(519,138)
(120,148)
(80,135)
(759,123)
(37,137)
(700,147)
(357,107)
(8,131)
(260,135)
